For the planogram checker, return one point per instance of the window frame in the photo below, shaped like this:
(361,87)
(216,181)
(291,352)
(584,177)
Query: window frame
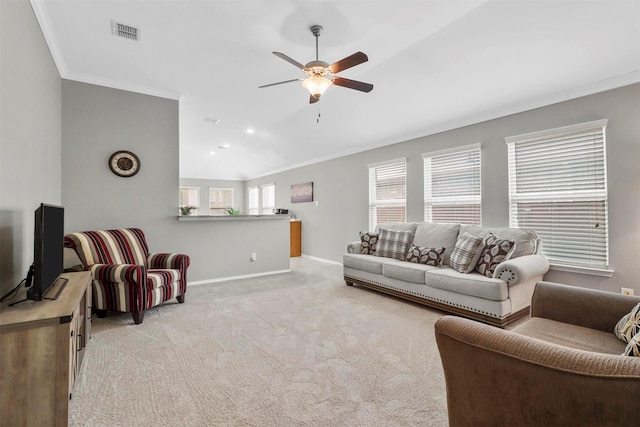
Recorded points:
(264,208)
(374,203)
(196,209)
(251,209)
(233,199)
(451,201)
(541,192)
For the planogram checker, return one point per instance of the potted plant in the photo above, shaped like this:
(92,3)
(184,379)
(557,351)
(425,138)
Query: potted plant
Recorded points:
(231,211)
(186,210)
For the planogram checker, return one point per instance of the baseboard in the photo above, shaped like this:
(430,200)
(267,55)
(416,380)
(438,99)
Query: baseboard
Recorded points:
(243,276)
(328,261)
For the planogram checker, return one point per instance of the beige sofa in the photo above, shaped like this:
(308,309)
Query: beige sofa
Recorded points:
(562,367)
(497,300)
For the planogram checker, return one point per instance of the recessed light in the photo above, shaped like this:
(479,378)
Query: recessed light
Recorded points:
(250,131)
(212,120)
(224,146)
(213,153)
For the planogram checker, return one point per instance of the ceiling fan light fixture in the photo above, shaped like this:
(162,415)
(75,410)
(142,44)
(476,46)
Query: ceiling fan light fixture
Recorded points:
(316,85)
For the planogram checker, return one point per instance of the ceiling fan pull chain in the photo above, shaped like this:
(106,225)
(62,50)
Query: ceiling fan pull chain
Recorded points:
(318,118)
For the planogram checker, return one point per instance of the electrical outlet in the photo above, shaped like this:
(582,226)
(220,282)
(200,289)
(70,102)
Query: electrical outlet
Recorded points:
(253,256)
(626,291)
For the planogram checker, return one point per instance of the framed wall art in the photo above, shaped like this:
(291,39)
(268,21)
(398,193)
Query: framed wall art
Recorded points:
(301,193)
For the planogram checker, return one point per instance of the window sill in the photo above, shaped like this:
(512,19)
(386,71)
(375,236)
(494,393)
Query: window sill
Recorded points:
(591,271)
(231,217)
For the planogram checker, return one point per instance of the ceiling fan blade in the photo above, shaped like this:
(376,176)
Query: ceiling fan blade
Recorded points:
(352,84)
(289,60)
(279,83)
(313,99)
(348,62)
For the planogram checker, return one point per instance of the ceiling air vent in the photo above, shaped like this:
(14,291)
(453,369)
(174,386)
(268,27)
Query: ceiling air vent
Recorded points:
(126,31)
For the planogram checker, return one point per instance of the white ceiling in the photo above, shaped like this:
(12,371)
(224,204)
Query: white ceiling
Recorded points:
(435,65)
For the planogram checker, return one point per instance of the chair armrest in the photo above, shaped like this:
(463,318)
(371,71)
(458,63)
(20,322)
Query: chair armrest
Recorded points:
(167,260)
(521,269)
(498,377)
(590,308)
(119,273)
(353,247)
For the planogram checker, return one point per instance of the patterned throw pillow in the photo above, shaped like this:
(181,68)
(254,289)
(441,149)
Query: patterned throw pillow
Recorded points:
(424,255)
(629,325)
(368,242)
(393,244)
(633,348)
(495,251)
(466,253)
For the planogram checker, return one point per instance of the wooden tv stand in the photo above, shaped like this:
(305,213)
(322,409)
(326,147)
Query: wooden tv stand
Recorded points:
(41,348)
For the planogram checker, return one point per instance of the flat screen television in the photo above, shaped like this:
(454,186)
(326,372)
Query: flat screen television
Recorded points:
(48,250)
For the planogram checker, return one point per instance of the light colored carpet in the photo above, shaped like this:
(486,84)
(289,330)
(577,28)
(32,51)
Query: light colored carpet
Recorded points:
(294,349)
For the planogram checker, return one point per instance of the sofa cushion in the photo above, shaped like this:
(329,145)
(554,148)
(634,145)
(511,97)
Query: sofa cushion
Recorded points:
(629,325)
(466,253)
(161,278)
(434,235)
(406,271)
(526,240)
(424,255)
(397,226)
(473,284)
(633,348)
(368,263)
(393,244)
(368,242)
(569,335)
(494,252)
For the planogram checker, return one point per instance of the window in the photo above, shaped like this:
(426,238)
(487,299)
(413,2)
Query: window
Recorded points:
(254,200)
(452,190)
(268,198)
(219,200)
(189,197)
(387,192)
(558,187)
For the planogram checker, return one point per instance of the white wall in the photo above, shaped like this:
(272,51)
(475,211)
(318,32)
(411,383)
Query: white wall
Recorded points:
(341,185)
(96,121)
(30,145)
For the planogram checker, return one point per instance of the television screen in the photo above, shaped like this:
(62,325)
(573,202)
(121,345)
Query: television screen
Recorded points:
(48,247)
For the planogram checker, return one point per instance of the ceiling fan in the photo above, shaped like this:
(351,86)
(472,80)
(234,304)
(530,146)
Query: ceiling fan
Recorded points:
(321,75)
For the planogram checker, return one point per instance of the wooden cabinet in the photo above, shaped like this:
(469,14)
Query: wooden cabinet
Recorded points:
(41,348)
(296,238)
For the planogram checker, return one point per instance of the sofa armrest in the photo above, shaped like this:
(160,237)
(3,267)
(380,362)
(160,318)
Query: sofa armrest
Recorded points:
(498,377)
(168,260)
(521,269)
(590,308)
(353,247)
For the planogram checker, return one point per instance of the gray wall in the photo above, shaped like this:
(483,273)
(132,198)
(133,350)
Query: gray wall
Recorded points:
(96,121)
(30,145)
(341,185)
(205,184)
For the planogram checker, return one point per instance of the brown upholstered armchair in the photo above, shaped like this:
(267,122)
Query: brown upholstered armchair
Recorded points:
(125,276)
(563,366)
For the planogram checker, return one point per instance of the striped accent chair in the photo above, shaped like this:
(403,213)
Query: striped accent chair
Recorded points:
(125,276)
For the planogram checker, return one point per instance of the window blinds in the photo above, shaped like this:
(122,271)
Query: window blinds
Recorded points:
(558,187)
(387,192)
(254,206)
(452,187)
(268,198)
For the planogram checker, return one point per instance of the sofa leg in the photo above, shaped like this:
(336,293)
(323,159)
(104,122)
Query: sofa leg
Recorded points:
(138,317)
(180,298)
(101,313)
(348,283)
